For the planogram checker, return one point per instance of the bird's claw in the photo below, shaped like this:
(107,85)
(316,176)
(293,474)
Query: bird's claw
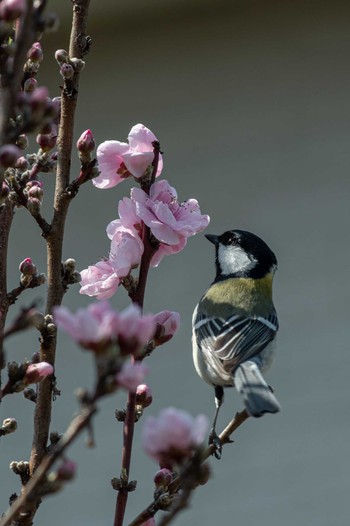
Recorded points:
(214,440)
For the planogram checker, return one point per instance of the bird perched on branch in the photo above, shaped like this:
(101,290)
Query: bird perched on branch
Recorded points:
(235,324)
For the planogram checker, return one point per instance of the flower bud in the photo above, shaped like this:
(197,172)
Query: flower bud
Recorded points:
(86,142)
(35,54)
(12,9)
(9,154)
(70,265)
(47,141)
(9,425)
(30,394)
(67,71)
(27,267)
(34,206)
(38,99)
(67,470)
(30,85)
(22,164)
(77,64)
(37,371)
(61,56)
(143,395)
(163,478)
(22,142)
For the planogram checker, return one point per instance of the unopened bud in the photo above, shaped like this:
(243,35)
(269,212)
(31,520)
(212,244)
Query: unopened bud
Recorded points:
(77,64)
(30,85)
(35,54)
(163,478)
(12,9)
(5,190)
(67,470)
(9,154)
(22,164)
(22,143)
(61,56)
(9,425)
(37,371)
(86,142)
(27,267)
(67,71)
(47,141)
(34,206)
(143,395)
(38,99)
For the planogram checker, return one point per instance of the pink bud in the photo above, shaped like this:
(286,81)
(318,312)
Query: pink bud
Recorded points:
(30,85)
(9,154)
(12,9)
(149,522)
(67,71)
(27,267)
(61,56)
(37,371)
(143,395)
(163,478)
(35,54)
(86,142)
(67,470)
(39,98)
(168,323)
(47,141)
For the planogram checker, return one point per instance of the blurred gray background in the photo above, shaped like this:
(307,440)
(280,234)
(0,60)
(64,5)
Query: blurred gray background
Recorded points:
(251,103)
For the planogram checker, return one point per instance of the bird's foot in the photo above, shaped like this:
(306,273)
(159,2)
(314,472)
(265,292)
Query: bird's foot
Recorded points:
(214,440)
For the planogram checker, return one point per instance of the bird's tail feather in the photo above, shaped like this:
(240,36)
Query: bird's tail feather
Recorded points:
(257,395)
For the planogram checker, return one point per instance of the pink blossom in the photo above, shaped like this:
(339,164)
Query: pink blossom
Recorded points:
(168,323)
(97,326)
(135,330)
(163,478)
(168,220)
(132,375)
(167,250)
(118,160)
(37,371)
(126,250)
(93,327)
(173,436)
(99,280)
(66,470)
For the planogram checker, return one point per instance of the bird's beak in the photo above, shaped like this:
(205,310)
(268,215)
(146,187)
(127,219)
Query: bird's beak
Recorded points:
(212,238)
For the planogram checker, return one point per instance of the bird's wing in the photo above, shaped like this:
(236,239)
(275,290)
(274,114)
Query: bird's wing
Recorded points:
(235,339)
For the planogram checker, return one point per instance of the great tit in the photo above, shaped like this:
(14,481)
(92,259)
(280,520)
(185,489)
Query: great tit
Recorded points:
(235,323)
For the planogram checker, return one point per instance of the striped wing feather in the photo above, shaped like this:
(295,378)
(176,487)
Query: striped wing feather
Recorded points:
(236,339)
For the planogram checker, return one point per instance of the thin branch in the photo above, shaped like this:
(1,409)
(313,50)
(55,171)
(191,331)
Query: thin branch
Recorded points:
(180,482)
(30,492)
(6,217)
(137,296)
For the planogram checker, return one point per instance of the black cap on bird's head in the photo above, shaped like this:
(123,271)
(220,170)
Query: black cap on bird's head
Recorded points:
(242,254)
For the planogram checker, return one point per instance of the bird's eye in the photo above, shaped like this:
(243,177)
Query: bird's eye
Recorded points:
(229,239)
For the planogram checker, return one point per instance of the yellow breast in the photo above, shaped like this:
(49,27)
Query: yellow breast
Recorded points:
(241,295)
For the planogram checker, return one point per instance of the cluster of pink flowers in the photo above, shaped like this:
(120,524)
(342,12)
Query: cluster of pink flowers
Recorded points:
(170,221)
(173,436)
(98,326)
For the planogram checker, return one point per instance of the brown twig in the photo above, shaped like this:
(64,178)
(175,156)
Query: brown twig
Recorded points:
(29,492)
(137,296)
(178,483)
(6,216)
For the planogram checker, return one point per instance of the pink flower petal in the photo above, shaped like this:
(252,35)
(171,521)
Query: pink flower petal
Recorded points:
(109,156)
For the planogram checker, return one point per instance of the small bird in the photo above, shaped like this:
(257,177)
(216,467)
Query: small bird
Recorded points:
(235,324)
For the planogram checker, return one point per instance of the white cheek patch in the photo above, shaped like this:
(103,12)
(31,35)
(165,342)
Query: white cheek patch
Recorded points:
(233,258)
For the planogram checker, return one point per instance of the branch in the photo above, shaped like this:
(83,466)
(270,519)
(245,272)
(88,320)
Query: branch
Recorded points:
(30,492)
(181,482)
(137,297)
